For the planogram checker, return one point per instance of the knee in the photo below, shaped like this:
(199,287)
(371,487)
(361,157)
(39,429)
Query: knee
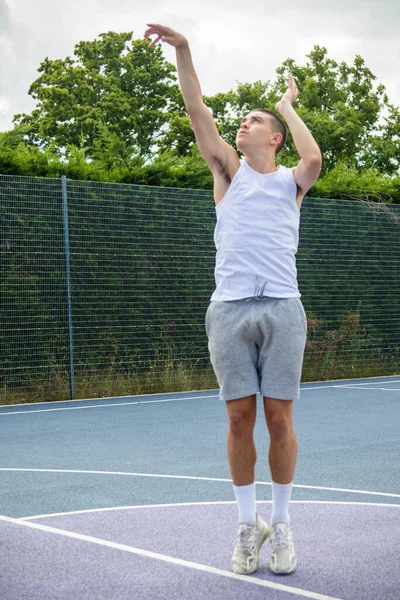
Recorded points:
(240,424)
(280,426)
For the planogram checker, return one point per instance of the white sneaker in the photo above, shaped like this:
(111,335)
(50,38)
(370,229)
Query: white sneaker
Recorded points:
(283,557)
(250,538)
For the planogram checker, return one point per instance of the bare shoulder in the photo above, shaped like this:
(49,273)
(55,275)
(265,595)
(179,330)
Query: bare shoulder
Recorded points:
(306,173)
(224,169)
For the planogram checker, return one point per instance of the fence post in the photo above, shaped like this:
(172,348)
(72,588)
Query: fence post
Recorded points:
(68,281)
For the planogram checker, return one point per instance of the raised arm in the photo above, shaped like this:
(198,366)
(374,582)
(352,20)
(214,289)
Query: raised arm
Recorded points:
(215,151)
(307,171)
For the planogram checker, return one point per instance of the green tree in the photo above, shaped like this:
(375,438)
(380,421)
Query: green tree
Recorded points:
(113,86)
(341,103)
(383,152)
(115,113)
(349,183)
(347,111)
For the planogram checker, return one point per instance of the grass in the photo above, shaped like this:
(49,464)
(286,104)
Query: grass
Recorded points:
(180,378)
(100,384)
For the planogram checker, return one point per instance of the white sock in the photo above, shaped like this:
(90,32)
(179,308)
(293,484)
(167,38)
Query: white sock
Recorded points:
(246,499)
(281,494)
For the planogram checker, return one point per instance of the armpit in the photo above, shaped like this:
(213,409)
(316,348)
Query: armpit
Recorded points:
(222,170)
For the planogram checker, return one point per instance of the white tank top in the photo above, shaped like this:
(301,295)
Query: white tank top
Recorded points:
(257,236)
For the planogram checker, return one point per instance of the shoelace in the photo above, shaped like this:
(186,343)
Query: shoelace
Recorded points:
(246,537)
(280,537)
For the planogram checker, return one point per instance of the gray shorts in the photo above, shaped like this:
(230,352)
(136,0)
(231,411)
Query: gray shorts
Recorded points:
(257,345)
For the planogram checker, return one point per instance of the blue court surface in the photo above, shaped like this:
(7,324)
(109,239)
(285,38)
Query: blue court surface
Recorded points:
(131,498)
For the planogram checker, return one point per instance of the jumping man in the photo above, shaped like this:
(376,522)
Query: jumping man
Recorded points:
(256,324)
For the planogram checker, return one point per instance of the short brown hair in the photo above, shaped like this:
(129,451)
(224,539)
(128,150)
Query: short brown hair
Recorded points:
(278,125)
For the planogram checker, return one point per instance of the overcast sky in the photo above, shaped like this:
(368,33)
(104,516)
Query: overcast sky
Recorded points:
(231,40)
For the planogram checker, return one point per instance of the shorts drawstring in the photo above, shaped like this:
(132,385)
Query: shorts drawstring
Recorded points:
(259,289)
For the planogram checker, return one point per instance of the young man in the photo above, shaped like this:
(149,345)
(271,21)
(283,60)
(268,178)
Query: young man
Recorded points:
(255,323)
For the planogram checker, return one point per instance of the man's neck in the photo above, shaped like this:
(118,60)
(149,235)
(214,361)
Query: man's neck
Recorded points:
(261,164)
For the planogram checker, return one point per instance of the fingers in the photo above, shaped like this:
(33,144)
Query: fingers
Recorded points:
(292,89)
(292,83)
(154,29)
(165,34)
(154,42)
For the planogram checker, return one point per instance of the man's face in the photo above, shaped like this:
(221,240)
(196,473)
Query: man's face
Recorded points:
(255,131)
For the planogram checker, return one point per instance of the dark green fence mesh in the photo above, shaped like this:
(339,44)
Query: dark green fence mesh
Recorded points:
(142,262)
(33,344)
(348,264)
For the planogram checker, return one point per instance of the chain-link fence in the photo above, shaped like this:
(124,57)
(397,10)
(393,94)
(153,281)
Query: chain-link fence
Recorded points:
(117,306)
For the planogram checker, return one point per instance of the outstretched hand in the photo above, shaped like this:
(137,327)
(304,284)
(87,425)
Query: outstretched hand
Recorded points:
(165,34)
(289,96)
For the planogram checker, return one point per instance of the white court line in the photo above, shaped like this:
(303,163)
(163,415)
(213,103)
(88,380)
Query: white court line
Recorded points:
(194,478)
(171,560)
(347,386)
(198,391)
(42,410)
(119,397)
(358,387)
(180,504)
(368,383)
(137,402)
